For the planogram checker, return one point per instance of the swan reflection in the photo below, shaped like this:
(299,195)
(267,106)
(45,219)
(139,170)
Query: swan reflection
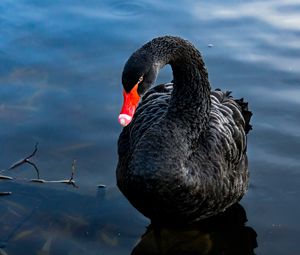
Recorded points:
(223,234)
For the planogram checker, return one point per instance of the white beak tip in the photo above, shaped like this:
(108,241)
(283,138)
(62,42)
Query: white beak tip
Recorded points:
(124,119)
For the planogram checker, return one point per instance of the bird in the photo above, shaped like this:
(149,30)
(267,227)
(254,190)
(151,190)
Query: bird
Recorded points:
(182,153)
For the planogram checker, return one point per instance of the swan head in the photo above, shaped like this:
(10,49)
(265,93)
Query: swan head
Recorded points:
(139,74)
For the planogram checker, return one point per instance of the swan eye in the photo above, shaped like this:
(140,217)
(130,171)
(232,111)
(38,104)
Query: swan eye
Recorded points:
(141,79)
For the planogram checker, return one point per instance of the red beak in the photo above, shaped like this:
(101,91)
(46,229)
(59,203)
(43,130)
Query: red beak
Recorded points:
(130,103)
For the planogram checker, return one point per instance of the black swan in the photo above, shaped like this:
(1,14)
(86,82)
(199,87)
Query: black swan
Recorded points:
(182,152)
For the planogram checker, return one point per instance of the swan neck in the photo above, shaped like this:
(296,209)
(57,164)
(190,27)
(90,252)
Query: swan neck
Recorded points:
(190,100)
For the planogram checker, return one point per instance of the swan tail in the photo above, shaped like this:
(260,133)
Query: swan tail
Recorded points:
(243,105)
(246,113)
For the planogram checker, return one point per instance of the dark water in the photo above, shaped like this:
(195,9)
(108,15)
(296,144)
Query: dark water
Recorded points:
(60,71)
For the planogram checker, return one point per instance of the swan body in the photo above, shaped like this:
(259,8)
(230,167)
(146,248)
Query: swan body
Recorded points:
(183,155)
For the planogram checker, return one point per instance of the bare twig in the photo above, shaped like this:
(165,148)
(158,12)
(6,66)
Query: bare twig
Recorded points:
(35,167)
(26,160)
(38,180)
(5,193)
(71,180)
(22,161)
(73,170)
(65,181)
(5,177)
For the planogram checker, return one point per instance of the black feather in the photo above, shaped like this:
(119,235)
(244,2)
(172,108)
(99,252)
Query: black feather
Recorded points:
(183,156)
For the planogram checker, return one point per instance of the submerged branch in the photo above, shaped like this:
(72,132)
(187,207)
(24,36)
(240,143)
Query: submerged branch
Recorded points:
(68,181)
(26,160)
(73,170)
(5,177)
(35,167)
(65,181)
(5,193)
(71,180)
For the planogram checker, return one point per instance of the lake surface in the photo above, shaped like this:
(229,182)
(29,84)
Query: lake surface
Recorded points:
(60,77)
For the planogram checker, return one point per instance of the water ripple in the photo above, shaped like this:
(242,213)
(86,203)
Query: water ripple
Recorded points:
(256,36)
(131,8)
(112,11)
